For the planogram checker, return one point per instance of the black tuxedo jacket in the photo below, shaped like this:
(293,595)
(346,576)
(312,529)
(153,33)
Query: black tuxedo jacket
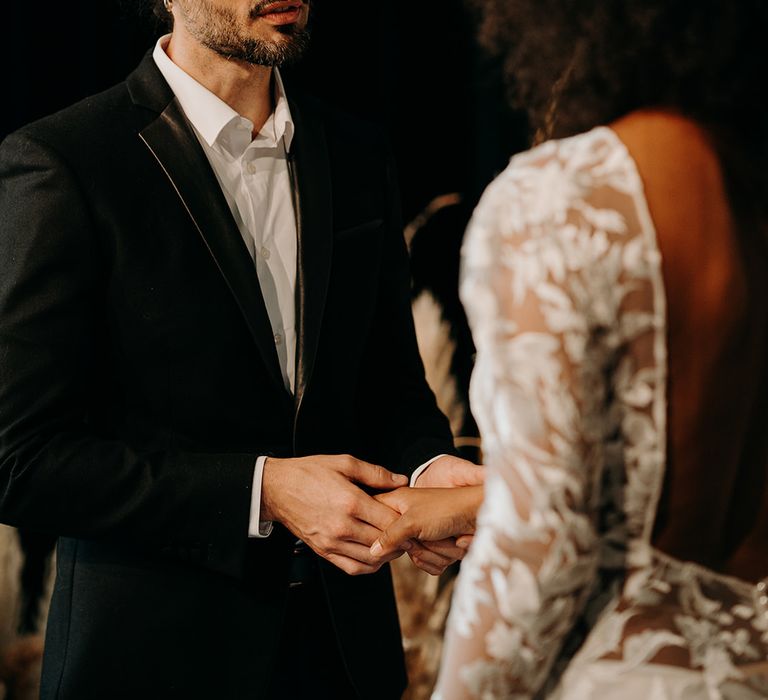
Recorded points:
(139,382)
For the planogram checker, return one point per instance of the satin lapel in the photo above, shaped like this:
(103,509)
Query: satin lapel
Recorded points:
(177,150)
(314,217)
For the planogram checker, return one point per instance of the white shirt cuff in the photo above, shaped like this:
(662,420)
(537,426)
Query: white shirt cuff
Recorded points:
(257,528)
(422,469)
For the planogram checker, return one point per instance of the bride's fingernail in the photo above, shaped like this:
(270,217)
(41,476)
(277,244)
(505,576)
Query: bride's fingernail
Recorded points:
(376,548)
(405,546)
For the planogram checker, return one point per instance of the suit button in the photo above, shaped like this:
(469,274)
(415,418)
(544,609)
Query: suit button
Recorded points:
(265,253)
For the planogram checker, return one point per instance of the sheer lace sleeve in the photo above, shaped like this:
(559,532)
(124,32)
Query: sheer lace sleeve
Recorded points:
(543,270)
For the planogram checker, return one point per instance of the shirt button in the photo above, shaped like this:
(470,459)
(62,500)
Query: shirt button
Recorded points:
(251,168)
(278,339)
(265,253)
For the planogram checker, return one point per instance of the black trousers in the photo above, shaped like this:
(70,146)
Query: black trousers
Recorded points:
(310,665)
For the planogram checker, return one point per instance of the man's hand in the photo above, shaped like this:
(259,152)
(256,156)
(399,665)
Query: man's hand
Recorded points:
(433,516)
(317,500)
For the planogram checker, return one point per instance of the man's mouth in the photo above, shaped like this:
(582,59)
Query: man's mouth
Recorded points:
(281,12)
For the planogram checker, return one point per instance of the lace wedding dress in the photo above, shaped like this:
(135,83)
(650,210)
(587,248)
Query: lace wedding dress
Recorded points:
(563,594)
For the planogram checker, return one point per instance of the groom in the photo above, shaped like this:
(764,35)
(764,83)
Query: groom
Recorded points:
(204,302)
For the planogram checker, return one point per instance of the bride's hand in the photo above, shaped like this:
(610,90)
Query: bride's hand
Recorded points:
(429,515)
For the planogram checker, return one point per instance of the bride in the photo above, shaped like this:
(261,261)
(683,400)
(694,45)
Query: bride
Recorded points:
(616,281)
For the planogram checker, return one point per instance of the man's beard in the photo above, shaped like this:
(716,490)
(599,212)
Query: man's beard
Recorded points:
(218,30)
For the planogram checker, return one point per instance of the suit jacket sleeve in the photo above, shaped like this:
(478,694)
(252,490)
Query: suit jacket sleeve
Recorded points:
(401,415)
(57,474)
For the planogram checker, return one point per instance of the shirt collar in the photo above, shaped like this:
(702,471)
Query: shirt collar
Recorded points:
(214,120)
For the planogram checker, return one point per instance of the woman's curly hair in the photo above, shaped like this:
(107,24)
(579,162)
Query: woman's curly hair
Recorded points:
(574,64)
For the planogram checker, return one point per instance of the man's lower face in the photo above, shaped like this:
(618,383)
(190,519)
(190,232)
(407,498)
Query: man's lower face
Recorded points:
(268,33)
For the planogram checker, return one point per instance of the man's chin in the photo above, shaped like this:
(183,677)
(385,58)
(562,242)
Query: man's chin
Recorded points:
(274,50)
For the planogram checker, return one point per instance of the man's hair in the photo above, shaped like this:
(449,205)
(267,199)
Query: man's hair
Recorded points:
(574,64)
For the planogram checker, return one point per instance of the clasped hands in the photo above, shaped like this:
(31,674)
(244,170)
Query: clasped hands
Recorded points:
(320,500)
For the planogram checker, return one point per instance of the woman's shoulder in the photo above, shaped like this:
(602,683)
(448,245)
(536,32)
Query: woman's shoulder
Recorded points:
(665,143)
(582,180)
(578,153)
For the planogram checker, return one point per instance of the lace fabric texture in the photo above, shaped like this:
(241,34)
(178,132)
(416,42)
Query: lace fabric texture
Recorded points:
(562,594)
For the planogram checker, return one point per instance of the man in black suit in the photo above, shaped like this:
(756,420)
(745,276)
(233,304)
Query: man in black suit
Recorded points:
(204,305)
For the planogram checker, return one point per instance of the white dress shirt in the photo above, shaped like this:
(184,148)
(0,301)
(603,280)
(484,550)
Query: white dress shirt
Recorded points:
(254,176)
